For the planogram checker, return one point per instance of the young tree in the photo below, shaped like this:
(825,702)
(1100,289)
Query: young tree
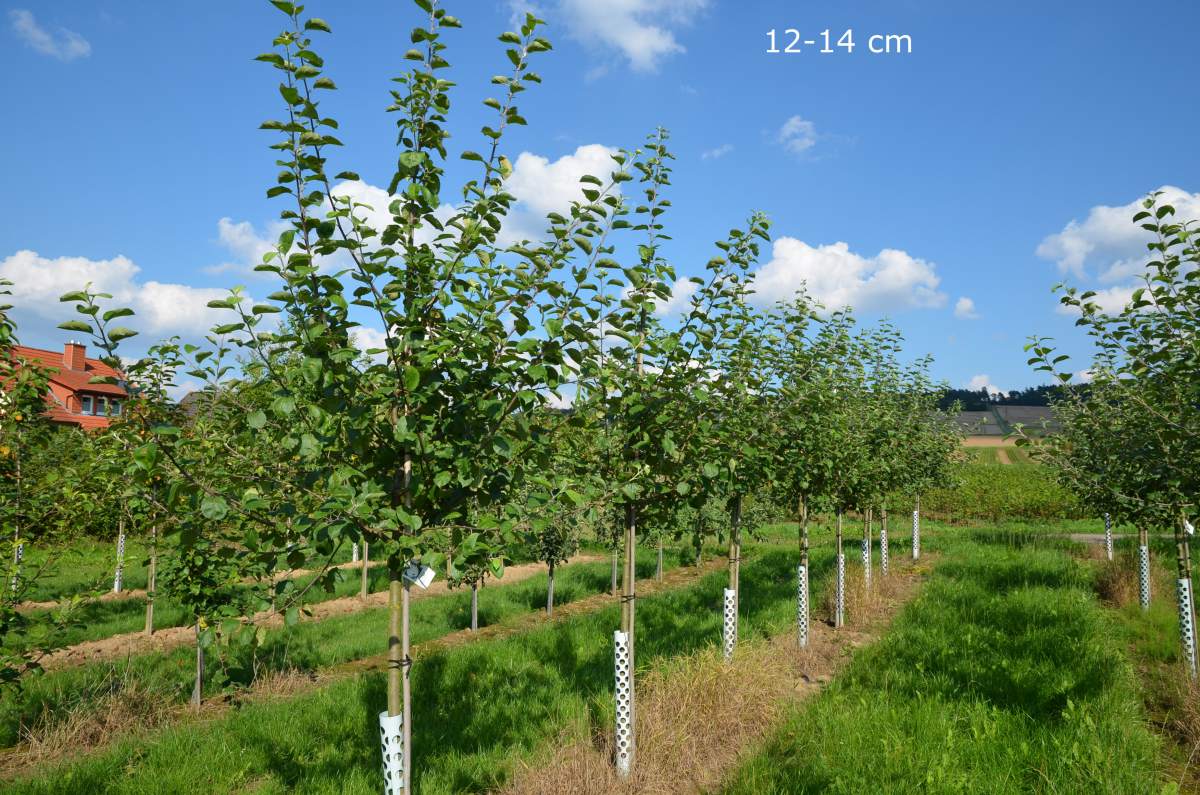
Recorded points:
(1129,445)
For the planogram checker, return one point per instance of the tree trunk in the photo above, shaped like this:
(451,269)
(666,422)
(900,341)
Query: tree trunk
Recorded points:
(883,543)
(198,688)
(614,571)
(365,573)
(399,693)
(151,579)
(475,606)
(658,572)
(866,548)
(119,570)
(1187,609)
(1144,567)
(550,590)
(629,612)
(802,521)
(839,608)
(735,545)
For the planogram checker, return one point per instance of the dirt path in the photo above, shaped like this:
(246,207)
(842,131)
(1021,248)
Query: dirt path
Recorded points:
(92,733)
(697,716)
(131,643)
(1002,456)
(140,593)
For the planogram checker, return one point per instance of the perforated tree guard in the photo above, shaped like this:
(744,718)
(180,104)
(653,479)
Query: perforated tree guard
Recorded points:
(802,603)
(1144,576)
(1108,539)
(1187,626)
(354,552)
(731,621)
(883,550)
(623,689)
(391,740)
(18,556)
(916,544)
(866,560)
(119,574)
(839,607)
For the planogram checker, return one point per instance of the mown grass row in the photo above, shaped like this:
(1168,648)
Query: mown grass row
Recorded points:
(478,708)
(1004,676)
(309,646)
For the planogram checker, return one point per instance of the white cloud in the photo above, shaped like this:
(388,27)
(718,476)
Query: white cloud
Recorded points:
(1084,376)
(162,308)
(834,275)
(1110,301)
(544,186)
(540,186)
(720,151)
(641,31)
(984,382)
(1109,241)
(242,240)
(681,297)
(65,45)
(797,135)
(964,309)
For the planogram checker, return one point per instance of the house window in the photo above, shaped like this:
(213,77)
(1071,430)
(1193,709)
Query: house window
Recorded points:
(85,404)
(114,408)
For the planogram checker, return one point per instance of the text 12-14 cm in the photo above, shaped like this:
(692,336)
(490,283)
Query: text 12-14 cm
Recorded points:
(791,41)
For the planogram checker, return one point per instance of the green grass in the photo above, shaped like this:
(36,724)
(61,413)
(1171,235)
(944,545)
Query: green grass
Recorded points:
(308,646)
(1004,676)
(477,707)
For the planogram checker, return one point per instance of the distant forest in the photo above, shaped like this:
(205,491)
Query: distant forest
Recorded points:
(981,400)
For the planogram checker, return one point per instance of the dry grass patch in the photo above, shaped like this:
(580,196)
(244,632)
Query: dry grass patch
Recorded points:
(696,715)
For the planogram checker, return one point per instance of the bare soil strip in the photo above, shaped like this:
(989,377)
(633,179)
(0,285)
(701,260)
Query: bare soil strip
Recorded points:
(1002,456)
(140,593)
(131,643)
(126,715)
(697,716)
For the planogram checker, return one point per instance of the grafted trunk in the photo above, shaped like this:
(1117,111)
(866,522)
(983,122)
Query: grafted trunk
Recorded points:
(839,608)
(198,687)
(629,623)
(550,590)
(475,606)
(1186,598)
(613,588)
(659,570)
(151,579)
(365,572)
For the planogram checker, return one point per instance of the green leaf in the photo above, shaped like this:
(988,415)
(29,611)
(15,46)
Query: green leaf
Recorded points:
(214,507)
(75,325)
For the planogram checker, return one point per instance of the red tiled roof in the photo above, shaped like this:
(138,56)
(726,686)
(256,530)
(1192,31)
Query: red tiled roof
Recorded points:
(73,380)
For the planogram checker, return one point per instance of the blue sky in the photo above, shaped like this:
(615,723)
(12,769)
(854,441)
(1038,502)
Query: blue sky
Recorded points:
(997,158)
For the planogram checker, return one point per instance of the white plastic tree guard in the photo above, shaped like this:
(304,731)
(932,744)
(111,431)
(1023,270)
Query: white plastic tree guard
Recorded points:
(866,560)
(391,738)
(802,603)
(1187,625)
(883,549)
(731,622)
(18,556)
(916,535)
(623,689)
(119,574)
(354,552)
(839,607)
(1144,576)
(1108,539)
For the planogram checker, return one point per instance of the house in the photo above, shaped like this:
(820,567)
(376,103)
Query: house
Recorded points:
(73,398)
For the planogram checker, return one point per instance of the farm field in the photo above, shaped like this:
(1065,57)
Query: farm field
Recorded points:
(1003,631)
